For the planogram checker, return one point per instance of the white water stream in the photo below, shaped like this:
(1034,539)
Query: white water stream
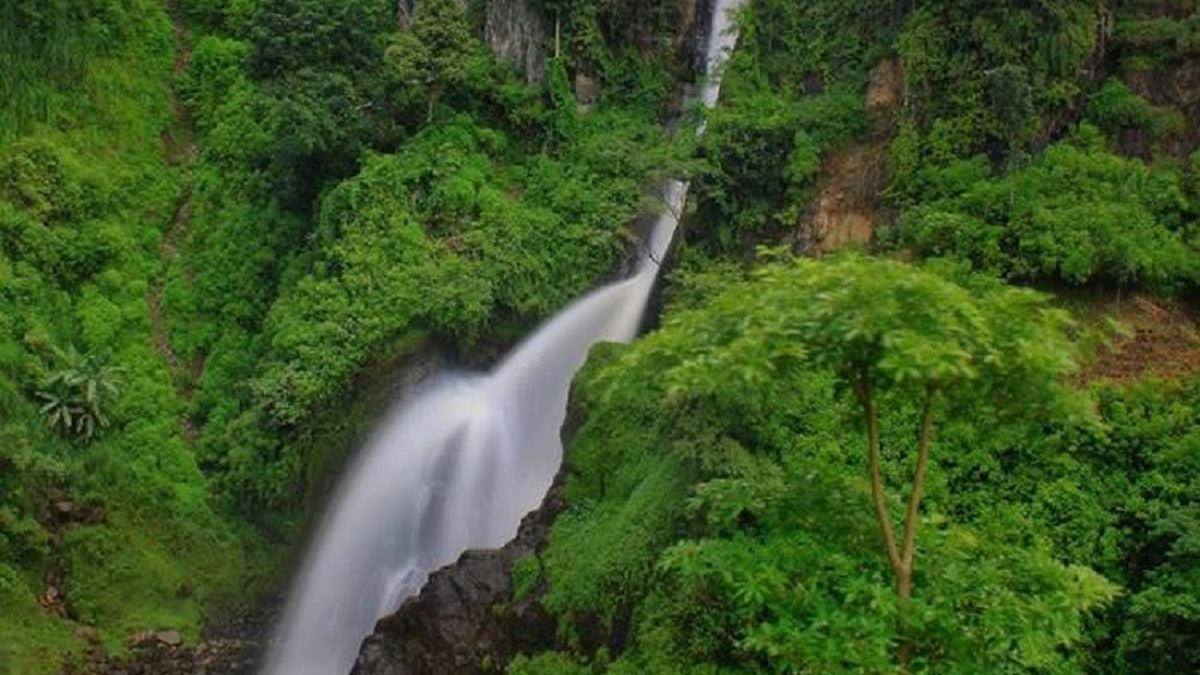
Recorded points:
(458,465)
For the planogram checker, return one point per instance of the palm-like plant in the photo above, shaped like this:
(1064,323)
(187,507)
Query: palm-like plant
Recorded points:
(59,407)
(76,396)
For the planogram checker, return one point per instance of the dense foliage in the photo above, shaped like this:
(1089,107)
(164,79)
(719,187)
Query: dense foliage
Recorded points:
(105,518)
(1076,213)
(719,506)
(990,145)
(720,515)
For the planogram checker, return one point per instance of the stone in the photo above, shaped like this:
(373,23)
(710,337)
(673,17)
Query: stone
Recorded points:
(587,91)
(885,85)
(465,616)
(171,638)
(88,634)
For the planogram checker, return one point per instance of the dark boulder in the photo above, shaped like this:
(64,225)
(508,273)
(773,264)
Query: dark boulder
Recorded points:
(466,620)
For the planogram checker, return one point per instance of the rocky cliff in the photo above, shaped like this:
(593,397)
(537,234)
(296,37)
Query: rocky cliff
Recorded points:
(467,619)
(516,33)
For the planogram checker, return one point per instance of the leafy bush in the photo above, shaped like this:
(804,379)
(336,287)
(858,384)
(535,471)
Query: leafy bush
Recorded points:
(551,663)
(1077,213)
(289,35)
(1161,37)
(76,398)
(217,66)
(526,573)
(1115,108)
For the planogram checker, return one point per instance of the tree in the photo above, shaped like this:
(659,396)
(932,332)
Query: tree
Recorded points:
(896,335)
(434,53)
(887,327)
(338,35)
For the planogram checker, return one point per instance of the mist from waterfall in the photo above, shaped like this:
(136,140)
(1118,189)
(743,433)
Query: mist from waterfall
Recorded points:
(457,464)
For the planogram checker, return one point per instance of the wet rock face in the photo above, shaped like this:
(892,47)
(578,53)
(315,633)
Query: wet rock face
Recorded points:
(516,33)
(465,619)
(696,17)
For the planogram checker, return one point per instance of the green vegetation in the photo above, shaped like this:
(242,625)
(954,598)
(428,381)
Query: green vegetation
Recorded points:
(1077,213)
(721,514)
(434,54)
(526,573)
(84,197)
(77,396)
(888,330)
(223,222)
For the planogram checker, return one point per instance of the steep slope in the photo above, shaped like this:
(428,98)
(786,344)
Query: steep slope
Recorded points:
(106,535)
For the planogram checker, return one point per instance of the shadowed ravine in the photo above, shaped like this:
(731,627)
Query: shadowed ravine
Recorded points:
(457,465)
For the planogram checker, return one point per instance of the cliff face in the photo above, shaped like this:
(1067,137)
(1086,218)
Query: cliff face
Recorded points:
(513,29)
(848,206)
(516,33)
(466,619)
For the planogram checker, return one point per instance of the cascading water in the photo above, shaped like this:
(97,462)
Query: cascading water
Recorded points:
(457,466)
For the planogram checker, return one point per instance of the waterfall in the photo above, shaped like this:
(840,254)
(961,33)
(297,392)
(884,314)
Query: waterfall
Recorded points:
(457,465)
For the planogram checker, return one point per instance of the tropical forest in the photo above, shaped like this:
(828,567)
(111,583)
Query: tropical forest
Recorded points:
(582,337)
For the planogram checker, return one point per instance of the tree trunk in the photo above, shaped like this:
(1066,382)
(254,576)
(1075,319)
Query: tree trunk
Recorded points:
(557,33)
(912,516)
(900,558)
(866,397)
(435,95)
(403,14)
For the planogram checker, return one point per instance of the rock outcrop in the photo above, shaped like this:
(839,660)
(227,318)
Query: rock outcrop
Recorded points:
(847,209)
(513,29)
(466,620)
(516,33)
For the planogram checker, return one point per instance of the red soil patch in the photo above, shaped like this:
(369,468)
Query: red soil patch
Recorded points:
(1161,340)
(847,207)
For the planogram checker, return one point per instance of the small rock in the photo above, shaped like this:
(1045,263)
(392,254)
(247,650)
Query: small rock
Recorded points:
(88,634)
(94,516)
(142,638)
(171,638)
(587,91)
(96,654)
(64,506)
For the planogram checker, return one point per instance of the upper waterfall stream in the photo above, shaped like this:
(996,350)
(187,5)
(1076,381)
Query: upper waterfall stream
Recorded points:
(456,466)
